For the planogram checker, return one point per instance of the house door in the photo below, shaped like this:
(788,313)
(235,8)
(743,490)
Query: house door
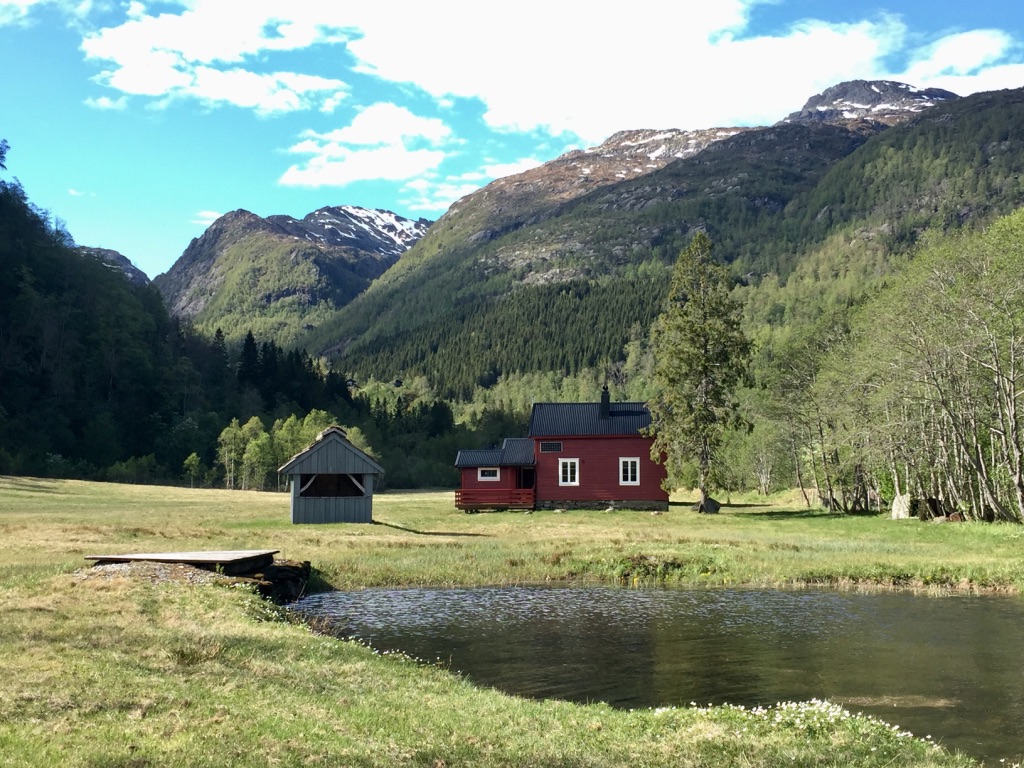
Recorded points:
(527,477)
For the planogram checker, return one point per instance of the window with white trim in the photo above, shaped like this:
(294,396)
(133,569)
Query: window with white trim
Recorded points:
(488,474)
(568,471)
(629,470)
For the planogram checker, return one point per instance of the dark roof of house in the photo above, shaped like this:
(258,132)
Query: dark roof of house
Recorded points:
(584,419)
(518,451)
(514,452)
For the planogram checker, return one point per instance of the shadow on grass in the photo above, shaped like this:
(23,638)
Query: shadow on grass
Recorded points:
(34,485)
(317,582)
(428,533)
(761,511)
(793,514)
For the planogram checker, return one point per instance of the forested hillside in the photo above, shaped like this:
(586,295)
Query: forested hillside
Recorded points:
(609,253)
(83,354)
(475,299)
(98,381)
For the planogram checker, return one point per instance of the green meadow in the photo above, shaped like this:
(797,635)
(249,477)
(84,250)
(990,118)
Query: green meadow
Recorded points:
(132,671)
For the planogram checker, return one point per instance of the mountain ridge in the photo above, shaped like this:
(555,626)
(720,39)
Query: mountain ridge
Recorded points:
(868,104)
(118,261)
(281,274)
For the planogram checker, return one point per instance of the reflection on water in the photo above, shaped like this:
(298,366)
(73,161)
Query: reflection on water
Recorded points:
(945,667)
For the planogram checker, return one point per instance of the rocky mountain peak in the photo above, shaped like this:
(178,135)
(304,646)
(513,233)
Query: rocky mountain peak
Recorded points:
(116,261)
(878,102)
(623,156)
(323,259)
(374,230)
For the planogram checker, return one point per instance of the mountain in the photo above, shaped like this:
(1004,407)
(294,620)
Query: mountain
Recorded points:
(543,282)
(370,231)
(278,275)
(118,261)
(559,267)
(869,104)
(626,155)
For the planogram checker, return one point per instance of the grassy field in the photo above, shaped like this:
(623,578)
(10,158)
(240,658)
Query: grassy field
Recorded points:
(131,671)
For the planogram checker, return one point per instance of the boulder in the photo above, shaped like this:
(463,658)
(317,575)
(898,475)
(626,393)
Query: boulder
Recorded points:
(708,507)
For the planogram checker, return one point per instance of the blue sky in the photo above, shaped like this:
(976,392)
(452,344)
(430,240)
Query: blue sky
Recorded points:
(138,123)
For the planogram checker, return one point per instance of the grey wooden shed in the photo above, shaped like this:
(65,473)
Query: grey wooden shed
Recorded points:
(332,481)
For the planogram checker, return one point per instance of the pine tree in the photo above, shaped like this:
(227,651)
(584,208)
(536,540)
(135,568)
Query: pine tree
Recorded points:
(249,362)
(701,354)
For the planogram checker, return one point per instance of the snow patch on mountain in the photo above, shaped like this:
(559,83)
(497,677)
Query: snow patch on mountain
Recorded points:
(115,261)
(367,229)
(878,102)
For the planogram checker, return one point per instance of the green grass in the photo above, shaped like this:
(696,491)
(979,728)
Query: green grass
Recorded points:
(126,672)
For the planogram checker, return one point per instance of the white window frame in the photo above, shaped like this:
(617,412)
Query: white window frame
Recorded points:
(629,466)
(484,479)
(570,467)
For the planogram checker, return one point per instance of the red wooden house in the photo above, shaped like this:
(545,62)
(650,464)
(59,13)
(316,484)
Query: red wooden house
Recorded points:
(576,455)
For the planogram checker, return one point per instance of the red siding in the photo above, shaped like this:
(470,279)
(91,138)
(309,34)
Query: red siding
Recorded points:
(599,470)
(506,481)
(479,494)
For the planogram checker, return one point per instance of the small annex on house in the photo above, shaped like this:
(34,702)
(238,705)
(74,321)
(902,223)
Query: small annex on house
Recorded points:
(576,455)
(332,481)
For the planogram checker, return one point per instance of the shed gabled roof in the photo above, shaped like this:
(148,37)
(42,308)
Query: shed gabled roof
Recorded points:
(332,453)
(584,419)
(514,452)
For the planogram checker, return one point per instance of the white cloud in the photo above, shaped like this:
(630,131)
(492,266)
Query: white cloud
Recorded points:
(19,11)
(209,31)
(497,170)
(209,52)
(587,74)
(205,218)
(348,165)
(967,62)
(16,11)
(429,195)
(76,193)
(555,68)
(434,198)
(686,65)
(962,54)
(266,94)
(384,141)
(105,102)
(387,123)
(990,79)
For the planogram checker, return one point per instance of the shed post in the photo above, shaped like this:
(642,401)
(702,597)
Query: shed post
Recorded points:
(295,480)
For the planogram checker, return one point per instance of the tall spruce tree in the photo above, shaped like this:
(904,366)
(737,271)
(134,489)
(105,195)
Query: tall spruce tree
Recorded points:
(701,354)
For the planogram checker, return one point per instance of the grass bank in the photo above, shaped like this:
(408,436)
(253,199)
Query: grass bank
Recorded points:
(135,672)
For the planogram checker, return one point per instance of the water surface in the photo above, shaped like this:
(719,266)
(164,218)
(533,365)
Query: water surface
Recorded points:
(951,668)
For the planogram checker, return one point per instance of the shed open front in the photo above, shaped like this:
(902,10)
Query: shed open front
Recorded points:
(332,481)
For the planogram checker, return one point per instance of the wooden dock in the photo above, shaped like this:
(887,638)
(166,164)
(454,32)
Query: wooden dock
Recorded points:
(229,562)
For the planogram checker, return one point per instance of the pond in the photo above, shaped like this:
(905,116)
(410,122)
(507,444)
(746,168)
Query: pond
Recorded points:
(950,667)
